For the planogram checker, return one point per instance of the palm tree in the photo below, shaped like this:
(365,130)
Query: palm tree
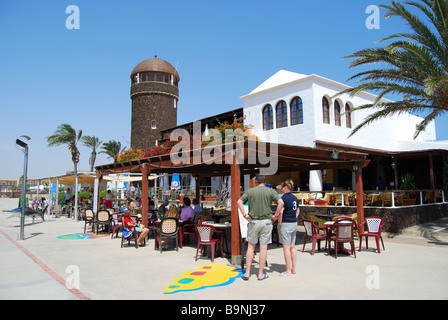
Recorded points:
(94,143)
(112,148)
(65,134)
(414,65)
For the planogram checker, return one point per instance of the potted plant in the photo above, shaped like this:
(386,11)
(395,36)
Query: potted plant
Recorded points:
(211,197)
(408,183)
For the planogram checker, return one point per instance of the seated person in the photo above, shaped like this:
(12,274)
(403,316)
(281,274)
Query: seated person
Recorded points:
(172,212)
(197,207)
(187,211)
(129,225)
(135,204)
(164,206)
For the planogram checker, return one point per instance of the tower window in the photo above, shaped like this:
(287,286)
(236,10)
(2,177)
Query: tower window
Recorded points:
(153,124)
(282,116)
(268,121)
(296,111)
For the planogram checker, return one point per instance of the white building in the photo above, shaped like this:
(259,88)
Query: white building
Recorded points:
(296,109)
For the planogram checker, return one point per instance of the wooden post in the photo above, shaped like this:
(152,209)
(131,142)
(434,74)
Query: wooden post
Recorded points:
(235,176)
(99,175)
(145,188)
(359,196)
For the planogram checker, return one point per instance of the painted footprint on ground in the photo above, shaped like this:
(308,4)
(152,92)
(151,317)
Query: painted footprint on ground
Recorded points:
(208,275)
(80,236)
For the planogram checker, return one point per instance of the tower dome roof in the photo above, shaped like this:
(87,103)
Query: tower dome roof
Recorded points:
(155,65)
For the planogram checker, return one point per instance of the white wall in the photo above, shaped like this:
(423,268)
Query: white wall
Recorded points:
(386,134)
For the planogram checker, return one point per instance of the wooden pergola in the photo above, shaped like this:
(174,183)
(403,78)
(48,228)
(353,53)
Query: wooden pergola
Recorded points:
(237,159)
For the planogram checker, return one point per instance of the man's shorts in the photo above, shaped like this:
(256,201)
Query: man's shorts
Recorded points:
(288,232)
(259,230)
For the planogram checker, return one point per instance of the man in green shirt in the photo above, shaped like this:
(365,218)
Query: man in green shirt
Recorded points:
(260,219)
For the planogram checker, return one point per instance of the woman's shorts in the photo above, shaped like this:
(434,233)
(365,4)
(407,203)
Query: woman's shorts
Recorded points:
(259,230)
(288,232)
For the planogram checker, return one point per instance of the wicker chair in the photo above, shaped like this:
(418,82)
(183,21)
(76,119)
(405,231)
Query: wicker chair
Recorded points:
(168,229)
(103,218)
(90,219)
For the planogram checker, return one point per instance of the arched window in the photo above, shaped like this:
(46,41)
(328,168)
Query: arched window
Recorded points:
(348,116)
(268,119)
(326,110)
(337,113)
(296,111)
(153,124)
(282,116)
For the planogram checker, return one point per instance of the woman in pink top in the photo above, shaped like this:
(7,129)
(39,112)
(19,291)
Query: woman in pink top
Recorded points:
(187,211)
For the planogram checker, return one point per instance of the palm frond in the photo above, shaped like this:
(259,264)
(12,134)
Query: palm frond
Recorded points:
(414,65)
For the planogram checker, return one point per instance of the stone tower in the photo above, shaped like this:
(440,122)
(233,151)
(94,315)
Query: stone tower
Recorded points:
(154,95)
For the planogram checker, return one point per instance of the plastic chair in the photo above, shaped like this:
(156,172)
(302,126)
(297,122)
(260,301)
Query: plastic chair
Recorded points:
(168,229)
(130,235)
(117,225)
(312,232)
(205,232)
(374,228)
(343,233)
(188,229)
(90,219)
(220,234)
(152,226)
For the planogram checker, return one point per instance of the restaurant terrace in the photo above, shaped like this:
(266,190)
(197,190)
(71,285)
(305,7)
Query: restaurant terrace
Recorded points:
(237,159)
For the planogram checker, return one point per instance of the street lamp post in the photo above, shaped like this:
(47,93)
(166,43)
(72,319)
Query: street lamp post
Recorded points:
(25,169)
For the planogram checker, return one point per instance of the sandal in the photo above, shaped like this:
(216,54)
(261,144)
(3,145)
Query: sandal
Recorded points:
(244,278)
(265,276)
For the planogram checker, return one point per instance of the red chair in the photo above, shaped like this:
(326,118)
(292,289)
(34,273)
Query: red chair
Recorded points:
(217,233)
(343,232)
(117,225)
(188,229)
(374,226)
(152,224)
(204,234)
(311,232)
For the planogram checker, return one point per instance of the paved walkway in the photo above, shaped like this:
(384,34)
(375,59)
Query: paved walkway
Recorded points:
(413,266)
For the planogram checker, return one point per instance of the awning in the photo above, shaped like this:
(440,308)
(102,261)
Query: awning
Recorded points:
(88,178)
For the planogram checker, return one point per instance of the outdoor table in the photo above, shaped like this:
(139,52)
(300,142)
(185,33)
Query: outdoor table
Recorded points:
(217,216)
(329,217)
(340,247)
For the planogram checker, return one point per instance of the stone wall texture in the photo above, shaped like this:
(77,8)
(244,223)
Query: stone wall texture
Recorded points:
(395,219)
(152,101)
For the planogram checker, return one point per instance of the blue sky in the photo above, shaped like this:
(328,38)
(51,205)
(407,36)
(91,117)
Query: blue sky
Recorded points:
(222,50)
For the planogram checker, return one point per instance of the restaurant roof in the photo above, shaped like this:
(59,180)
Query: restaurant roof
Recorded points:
(215,161)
